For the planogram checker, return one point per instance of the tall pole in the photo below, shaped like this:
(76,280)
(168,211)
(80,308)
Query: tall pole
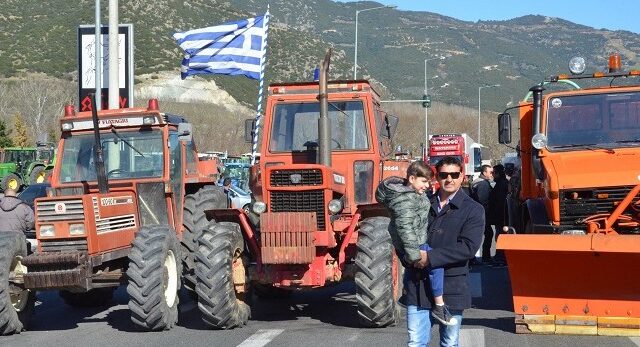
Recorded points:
(426,109)
(479,89)
(98,63)
(114,50)
(355,43)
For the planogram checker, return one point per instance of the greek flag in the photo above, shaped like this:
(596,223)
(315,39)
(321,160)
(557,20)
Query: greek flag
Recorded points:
(234,48)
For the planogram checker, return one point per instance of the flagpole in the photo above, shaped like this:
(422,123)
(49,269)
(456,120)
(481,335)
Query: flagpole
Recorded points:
(254,144)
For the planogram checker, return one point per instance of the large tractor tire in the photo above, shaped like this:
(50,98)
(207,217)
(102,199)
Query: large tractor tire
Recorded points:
(194,221)
(37,175)
(154,278)
(93,298)
(220,252)
(12,181)
(378,276)
(16,304)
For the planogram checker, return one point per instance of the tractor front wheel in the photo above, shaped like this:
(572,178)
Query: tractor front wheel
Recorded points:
(221,271)
(154,278)
(378,279)
(16,303)
(11,181)
(194,221)
(37,175)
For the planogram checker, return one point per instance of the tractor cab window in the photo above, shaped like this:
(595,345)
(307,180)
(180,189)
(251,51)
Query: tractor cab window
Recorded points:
(610,120)
(127,155)
(295,126)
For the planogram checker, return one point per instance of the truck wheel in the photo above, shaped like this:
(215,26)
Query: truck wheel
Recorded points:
(37,175)
(194,220)
(221,300)
(93,298)
(16,304)
(12,181)
(154,278)
(378,275)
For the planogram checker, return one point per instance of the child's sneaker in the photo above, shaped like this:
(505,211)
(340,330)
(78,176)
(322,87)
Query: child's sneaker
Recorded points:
(442,314)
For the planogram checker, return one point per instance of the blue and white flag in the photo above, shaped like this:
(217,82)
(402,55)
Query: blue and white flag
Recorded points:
(234,48)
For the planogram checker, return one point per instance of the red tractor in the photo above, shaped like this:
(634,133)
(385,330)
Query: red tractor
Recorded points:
(315,220)
(127,196)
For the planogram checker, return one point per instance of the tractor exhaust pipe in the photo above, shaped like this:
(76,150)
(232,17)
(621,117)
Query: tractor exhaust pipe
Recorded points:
(536,162)
(103,184)
(324,123)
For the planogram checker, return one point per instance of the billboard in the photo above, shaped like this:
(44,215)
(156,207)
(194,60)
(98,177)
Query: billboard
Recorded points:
(87,65)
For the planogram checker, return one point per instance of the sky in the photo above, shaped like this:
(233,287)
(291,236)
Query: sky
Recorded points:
(607,14)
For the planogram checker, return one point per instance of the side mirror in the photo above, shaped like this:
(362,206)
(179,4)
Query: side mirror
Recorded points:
(185,131)
(249,125)
(504,128)
(389,127)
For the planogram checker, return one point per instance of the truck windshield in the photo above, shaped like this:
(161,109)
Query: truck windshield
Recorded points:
(137,157)
(612,120)
(295,126)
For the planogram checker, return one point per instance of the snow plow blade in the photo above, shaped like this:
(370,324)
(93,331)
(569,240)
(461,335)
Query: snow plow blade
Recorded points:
(574,284)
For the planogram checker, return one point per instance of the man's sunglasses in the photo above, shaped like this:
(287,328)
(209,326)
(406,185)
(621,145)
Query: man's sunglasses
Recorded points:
(444,175)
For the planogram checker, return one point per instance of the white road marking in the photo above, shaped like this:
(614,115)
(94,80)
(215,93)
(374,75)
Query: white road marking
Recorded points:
(471,337)
(354,337)
(635,340)
(475,284)
(261,338)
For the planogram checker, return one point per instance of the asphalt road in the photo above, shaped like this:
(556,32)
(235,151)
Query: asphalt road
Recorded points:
(326,317)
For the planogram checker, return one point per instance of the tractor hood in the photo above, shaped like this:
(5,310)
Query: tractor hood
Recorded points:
(593,168)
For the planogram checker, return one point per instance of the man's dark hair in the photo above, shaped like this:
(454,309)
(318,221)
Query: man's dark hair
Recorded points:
(499,170)
(419,169)
(448,161)
(484,168)
(226,182)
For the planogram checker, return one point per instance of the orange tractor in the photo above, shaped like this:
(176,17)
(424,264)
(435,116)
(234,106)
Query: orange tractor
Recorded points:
(315,220)
(127,198)
(573,260)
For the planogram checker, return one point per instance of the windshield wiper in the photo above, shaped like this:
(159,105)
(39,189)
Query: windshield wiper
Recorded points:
(589,146)
(113,130)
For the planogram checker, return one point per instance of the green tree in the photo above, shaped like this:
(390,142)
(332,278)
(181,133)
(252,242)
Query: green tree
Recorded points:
(20,139)
(5,140)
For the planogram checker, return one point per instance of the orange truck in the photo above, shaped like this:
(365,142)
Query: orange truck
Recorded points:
(573,242)
(126,201)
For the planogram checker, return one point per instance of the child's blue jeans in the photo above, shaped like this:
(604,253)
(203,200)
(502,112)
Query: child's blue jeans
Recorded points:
(436,275)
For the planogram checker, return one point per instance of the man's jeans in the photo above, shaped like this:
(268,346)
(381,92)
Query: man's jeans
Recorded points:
(419,328)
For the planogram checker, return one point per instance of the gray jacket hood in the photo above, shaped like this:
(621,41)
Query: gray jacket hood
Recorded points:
(390,189)
(9,203)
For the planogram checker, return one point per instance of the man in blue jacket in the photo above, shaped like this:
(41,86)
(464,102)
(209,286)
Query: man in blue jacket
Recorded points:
(456,225)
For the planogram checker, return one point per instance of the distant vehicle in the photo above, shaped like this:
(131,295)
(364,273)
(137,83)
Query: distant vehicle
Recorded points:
(32,192)
(460,146)
(240,198)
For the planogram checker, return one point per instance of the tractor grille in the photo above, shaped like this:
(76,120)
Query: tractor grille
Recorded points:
(64,245)
(67,210)
(571,211)
(308,201)
(105,225)
(282,178)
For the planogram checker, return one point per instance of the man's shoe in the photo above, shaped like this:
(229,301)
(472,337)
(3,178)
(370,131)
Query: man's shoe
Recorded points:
(442,314)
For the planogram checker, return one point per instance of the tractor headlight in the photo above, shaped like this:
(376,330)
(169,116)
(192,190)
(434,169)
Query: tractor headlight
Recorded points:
(259,207)
(539,141)
(335,206)
(67,126)
(148,120)
(76,229)
(47,231)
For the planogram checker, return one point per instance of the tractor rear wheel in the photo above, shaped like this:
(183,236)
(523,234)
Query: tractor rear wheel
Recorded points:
(194,220)
(219,261)
(93,298)
(37,175)
(378,279)
(16,303)
(12,181)
(154,278)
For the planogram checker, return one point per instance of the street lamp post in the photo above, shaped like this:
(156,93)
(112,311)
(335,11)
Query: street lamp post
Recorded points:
(479,89)
(426,109)
(355,43)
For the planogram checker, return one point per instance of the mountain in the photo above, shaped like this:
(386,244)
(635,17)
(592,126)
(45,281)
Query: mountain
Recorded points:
(40,36)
